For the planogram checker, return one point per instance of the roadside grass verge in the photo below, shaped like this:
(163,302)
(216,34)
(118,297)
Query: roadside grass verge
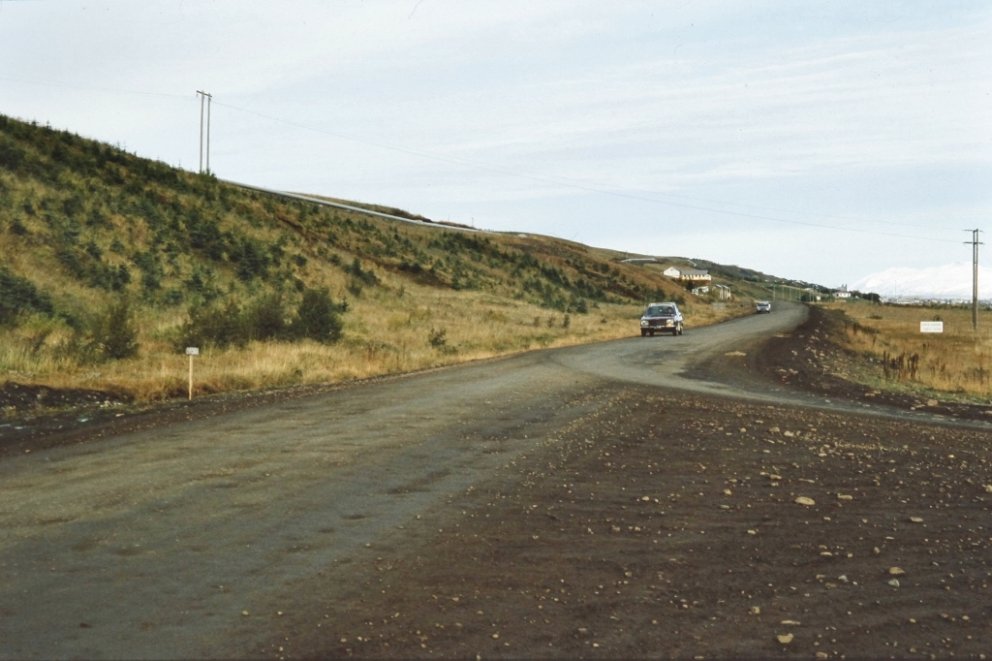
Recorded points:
(386,331)
(957,361)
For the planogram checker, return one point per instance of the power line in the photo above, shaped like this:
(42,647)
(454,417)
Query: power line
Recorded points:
(693,204)
(592,188)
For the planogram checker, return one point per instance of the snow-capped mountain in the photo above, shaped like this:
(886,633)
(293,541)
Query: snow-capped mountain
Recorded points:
(947,282)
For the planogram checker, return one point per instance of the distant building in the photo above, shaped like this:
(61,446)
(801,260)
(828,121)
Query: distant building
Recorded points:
(721,292)
(688,275)
(842,292)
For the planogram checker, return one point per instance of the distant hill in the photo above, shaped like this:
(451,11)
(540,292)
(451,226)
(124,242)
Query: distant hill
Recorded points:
(82,220)
(108,256)
(745,276)
(948,282)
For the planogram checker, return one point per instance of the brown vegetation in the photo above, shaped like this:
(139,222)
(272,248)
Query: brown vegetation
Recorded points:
(959,360)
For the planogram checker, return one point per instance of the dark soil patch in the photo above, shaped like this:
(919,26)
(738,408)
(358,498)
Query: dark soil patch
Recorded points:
(809,359)
(677,526)
(38,417)
(16,397)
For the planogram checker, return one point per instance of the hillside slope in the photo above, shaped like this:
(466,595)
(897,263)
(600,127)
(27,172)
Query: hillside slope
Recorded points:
(113,264)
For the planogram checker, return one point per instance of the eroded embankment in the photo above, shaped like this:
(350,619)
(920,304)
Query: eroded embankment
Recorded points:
(810,358)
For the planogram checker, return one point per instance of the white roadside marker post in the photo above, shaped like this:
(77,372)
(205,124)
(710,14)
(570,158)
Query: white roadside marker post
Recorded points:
(191,351)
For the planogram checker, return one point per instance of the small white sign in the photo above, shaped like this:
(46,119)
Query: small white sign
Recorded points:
(192,351)
(931,326)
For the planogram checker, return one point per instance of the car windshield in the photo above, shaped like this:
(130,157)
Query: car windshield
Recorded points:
(660,311)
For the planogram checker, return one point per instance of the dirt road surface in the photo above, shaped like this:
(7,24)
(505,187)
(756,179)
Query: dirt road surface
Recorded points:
(587,502)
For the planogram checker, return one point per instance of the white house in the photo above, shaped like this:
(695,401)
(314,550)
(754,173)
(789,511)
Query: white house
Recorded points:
(688,275)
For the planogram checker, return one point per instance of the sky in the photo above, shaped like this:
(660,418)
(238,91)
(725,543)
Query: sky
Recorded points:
(818,140)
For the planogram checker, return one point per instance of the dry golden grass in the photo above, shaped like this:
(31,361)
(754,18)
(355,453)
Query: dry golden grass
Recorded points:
(388,330)
(959,360)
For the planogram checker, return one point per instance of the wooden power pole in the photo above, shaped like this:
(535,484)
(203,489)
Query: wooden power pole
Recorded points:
(974,277)
(208,98)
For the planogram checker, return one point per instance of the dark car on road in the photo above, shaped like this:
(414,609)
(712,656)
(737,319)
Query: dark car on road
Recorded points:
(661,318)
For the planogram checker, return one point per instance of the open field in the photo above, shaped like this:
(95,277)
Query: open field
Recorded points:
(957,361)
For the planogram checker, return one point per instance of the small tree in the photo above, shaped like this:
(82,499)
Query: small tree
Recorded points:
(216,324)
(114,335)
(265,318)
(438,338)
(318,317)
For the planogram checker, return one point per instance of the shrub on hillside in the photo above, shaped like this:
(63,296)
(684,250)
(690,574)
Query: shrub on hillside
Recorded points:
(358,272)
(251,257)
(265,318)
(19,296)
(318,317)
(151,270)
(214,324)
(359,278)
(438,338)
(113,334)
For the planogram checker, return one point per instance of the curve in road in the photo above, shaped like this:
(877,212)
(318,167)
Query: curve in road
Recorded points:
(169,543)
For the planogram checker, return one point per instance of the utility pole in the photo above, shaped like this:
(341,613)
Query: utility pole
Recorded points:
(205,99)
(210,99)
(974,276)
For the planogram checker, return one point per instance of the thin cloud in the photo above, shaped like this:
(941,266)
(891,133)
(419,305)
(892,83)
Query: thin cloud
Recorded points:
(551,114)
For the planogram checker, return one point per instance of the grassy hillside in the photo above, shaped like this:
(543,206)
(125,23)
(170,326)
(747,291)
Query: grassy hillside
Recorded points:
(113,264)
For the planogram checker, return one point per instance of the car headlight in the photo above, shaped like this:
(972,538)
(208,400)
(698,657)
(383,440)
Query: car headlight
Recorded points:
(644,322)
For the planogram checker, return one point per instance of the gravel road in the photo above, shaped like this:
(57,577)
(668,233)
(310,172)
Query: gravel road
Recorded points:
(519,507)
